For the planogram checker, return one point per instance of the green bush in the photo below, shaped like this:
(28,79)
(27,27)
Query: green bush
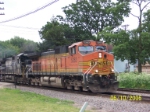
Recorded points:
(133,80)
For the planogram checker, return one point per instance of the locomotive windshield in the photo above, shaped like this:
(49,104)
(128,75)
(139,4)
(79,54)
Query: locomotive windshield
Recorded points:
(86,49)
(100,48)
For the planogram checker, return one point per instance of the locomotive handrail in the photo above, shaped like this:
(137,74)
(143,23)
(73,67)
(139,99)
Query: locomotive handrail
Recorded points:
(92,67)
(84,74)
(114,68)
(27,71)
(88,71)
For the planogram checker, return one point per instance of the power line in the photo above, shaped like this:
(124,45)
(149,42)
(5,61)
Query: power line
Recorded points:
(31,28)
(17,31)
(1,2)
(30,12)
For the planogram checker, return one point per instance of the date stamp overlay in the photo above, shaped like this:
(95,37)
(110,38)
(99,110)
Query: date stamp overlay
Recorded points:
(126,97)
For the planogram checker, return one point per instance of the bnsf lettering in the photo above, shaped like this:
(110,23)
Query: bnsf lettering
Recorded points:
(103,63)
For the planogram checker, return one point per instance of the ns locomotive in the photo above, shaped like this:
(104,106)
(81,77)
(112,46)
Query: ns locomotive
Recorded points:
(84,65)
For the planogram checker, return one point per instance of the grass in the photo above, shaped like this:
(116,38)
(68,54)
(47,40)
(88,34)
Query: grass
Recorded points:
(13,100)
(133,80)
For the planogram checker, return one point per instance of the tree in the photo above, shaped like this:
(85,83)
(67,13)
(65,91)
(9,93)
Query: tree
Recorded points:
(16,45)
(7,49)
(44,46)
(146,21)
(17,41)
(56,34)
(139,3)
(23,44)
(29,46)
(83,19)
(92,16)
(132,45)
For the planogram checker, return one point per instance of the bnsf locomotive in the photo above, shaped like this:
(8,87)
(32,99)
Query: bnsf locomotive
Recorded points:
(83,66)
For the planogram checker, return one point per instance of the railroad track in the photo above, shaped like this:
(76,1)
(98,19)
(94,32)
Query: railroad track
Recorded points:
(118,95)
(134,90)
(132,95)
(112,95)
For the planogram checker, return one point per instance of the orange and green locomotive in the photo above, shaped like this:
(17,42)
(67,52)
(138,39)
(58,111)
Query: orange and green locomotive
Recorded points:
(83,66)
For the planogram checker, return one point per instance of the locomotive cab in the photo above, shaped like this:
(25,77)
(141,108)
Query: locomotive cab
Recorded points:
(95,64)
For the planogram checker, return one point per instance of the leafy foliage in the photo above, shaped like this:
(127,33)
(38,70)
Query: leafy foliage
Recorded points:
(7,49)
(56,33)
(44,46)
(146,21)
(16,45)
(23,44)
(29,46)
(132,80)
(82,21)
(132,45)
(126,44)
(78,33)
(94,15)
(17,41)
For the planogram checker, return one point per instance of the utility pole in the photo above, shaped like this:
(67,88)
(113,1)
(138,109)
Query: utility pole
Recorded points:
(2,8)
(125,26)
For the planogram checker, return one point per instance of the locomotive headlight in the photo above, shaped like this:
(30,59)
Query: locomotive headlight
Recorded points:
(100,55)
(96,71)
(112,70)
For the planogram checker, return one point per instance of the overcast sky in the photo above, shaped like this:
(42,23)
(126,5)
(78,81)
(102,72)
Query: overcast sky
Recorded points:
(15,8)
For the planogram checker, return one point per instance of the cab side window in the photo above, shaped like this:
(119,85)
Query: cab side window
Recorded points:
(73,50)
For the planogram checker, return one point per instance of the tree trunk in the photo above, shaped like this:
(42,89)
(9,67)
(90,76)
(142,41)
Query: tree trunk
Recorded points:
(139,66)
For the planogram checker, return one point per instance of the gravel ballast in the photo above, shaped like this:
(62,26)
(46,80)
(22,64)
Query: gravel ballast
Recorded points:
(97,103)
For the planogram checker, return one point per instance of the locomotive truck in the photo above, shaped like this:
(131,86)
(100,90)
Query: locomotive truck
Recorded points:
(84,65)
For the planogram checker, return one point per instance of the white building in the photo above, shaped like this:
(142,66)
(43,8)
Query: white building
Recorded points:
(123,66)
